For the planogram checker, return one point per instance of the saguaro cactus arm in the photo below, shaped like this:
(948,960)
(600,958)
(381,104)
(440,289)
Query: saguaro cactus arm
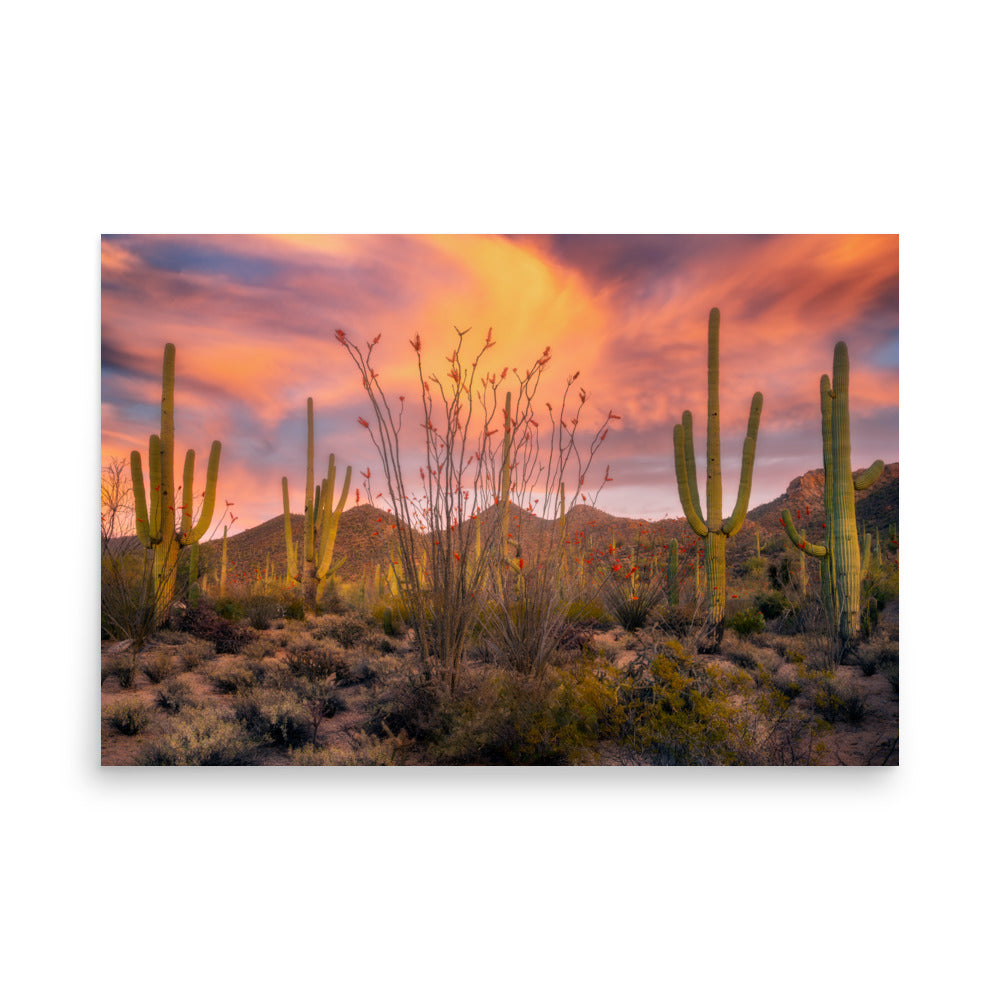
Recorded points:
(686,483)
(142,522)
(208,504)
(870,476)
(330,518)
(734,522)
(810,548)
(690,466)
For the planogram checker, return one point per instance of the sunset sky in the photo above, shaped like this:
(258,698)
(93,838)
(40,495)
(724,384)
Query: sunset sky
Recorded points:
(253,320)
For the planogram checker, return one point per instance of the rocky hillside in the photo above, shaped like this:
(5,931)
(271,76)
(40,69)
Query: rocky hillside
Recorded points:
(365,532)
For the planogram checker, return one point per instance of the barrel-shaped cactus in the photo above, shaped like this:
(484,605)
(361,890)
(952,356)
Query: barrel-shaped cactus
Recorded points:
(842,564)
(156,525)
(713,528)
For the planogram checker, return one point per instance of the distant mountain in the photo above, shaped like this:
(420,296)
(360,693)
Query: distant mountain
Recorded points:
(365,532)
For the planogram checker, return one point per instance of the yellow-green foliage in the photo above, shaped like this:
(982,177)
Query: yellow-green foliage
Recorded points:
(203,736)
(677,712)
(503,717)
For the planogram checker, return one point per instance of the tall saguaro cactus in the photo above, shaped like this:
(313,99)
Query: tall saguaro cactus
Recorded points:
(841,562)
(713,528)
(156,526)
(321,520)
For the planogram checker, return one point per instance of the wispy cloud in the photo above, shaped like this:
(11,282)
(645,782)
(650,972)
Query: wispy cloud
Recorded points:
(253,320)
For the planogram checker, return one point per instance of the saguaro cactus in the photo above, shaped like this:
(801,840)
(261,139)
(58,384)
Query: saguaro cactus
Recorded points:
(291,549)
(156,526)
(841,563)
(321,520)
(714,529)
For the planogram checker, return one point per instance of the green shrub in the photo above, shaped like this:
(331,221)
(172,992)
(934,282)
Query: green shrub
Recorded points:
(409,704)
(122,667)
(502,717)
(175,694)
(195,652)
(750,621)
(631,598)
(230,678)
(203,623)
(277,717)
(348,629)
(127,715)
(773,605)
(316,663)
(676,621)
(295,610)
(201,736)
(228,608)
(675,712)
(588,613)
(260,610)
(159,665)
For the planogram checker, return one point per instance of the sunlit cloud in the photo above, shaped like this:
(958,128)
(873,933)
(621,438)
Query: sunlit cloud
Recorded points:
(253,319)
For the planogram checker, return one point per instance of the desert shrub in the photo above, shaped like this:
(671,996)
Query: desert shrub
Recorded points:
(229,608)
(746,622)
(261,609)
(174,694)
(365,670)
(836,703)
(631,598)
(316,662)
(229,678)
(753,567)
(122,667)
(671,711)
(159,665)
(364,750)
(883,585)
(522,631)
(790,687)
(203,623)
(348,629)
(261,647)
(772,605)
(128,715)
(277,717)
(588,613)
(295,610)
(510,718)
(201,736)
(675,620)
(195,652)
(407,704)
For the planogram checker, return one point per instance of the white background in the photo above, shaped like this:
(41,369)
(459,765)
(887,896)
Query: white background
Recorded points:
(540,117)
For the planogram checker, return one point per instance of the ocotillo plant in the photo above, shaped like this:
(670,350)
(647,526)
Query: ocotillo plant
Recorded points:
(841,567)
(156,526)
(321,520)
(484,450)
(714,529)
